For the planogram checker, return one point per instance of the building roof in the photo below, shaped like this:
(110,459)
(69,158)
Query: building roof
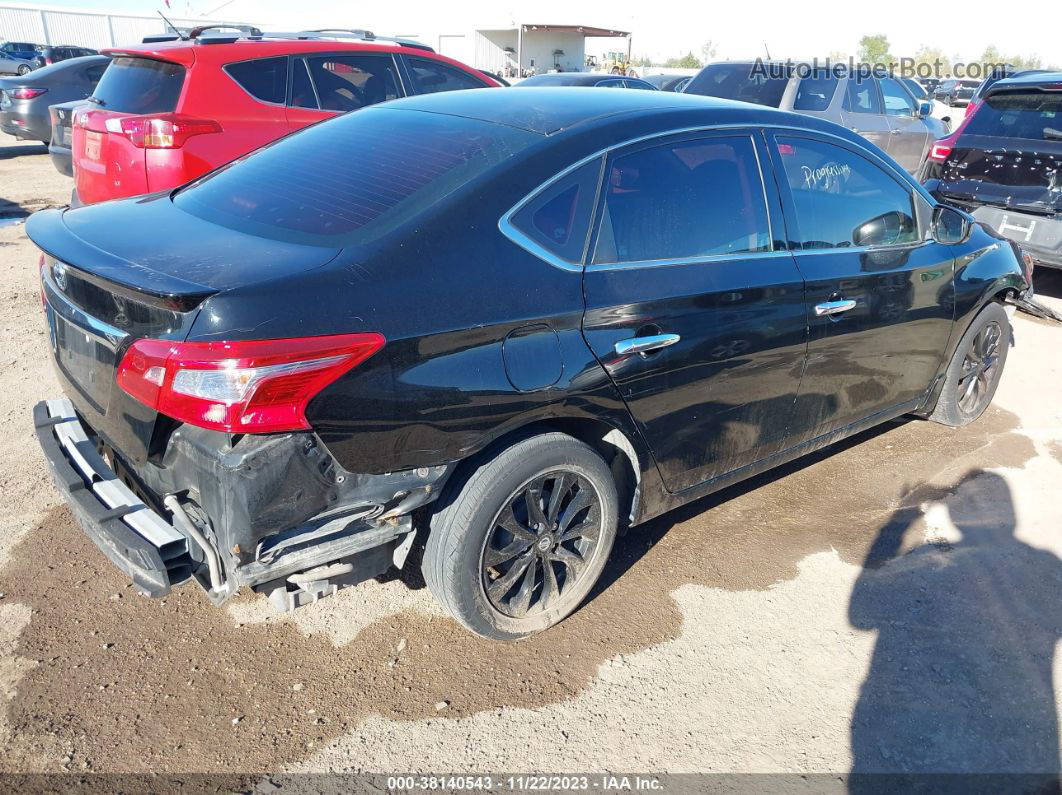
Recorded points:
(586,30)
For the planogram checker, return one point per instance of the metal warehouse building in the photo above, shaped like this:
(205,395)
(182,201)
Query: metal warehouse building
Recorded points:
(56,25)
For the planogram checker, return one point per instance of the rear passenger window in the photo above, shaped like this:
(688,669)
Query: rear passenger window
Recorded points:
(349,82)
(843,200)
(683,200)
(558,219)
(265,78)
(862,96)
(430,77)
(816,91)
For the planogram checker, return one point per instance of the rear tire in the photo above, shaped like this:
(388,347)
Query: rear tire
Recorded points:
(975,370)
(519,543)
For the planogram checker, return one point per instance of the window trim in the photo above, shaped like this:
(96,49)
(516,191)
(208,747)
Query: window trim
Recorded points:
(789,206)
(768,131)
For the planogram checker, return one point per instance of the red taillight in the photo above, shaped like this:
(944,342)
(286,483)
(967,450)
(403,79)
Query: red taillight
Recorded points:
(26,93)
(245,386)
(971,108)
(941,149)
(166,131)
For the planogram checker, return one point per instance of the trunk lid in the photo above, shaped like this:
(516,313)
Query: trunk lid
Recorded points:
(1013,173)
(103,290)
(107,164)
(1009,153)
(62,120)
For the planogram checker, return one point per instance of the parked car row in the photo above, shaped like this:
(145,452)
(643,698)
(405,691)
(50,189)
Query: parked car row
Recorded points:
(21,58)
(880,108)
(24,100)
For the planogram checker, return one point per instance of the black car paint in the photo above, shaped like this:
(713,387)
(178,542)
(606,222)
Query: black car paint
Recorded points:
(59,144)
(517,343)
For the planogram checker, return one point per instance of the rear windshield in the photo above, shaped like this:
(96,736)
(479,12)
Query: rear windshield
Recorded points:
(140,85)
(352,179)
(1033,115)
(739,81)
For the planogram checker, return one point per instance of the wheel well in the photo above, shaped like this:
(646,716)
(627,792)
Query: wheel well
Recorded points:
(608,441)
(613,446)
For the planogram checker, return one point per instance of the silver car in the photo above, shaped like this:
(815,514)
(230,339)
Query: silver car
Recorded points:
(16,57)
(878,107)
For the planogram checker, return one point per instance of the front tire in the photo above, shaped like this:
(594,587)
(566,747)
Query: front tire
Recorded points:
(975,369)
(517,545)
(23,70)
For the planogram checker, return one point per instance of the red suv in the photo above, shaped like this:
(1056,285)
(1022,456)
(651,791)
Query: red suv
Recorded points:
(170,111)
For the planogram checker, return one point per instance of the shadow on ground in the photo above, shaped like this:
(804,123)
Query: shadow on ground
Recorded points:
(961,677)
(189,690)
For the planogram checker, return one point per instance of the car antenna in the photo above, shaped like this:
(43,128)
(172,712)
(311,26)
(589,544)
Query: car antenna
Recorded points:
(172,26)
(767,51)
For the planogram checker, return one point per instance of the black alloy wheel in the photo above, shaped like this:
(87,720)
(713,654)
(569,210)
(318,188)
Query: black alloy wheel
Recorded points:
(979,369)
(540,543)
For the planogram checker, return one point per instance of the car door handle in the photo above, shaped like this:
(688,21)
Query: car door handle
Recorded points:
(645,344)
(834,307)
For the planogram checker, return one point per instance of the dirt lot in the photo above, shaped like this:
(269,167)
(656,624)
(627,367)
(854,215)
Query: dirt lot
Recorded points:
(891,603)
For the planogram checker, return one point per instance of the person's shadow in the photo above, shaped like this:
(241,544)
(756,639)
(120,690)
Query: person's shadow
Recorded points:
(961,677)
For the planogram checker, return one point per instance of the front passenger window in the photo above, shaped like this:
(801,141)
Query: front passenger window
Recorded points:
(842,199)
(431,77)
(897,101)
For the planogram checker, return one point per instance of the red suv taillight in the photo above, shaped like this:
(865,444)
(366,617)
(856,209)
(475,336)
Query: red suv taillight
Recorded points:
(941,148)
(165,131)
(245,386)
(26,93)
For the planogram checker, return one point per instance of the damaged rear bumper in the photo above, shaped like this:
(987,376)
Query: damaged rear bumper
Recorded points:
(135,538)
(365,528)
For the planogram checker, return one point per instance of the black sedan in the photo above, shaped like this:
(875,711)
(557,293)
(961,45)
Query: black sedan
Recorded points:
(24,100)
(589,79)
(507,322)
(955,92)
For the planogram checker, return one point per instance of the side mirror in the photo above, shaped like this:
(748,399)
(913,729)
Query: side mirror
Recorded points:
(950,226)
(883,230)
(925,109)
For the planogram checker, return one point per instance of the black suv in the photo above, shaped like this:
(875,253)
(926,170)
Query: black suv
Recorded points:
(1004,164)
(955,92)
(507,322)
(48,55)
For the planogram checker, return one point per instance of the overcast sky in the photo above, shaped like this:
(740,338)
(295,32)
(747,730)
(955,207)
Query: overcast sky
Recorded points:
(738,29)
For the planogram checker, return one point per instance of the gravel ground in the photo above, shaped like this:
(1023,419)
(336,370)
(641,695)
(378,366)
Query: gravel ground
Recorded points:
(889,603)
